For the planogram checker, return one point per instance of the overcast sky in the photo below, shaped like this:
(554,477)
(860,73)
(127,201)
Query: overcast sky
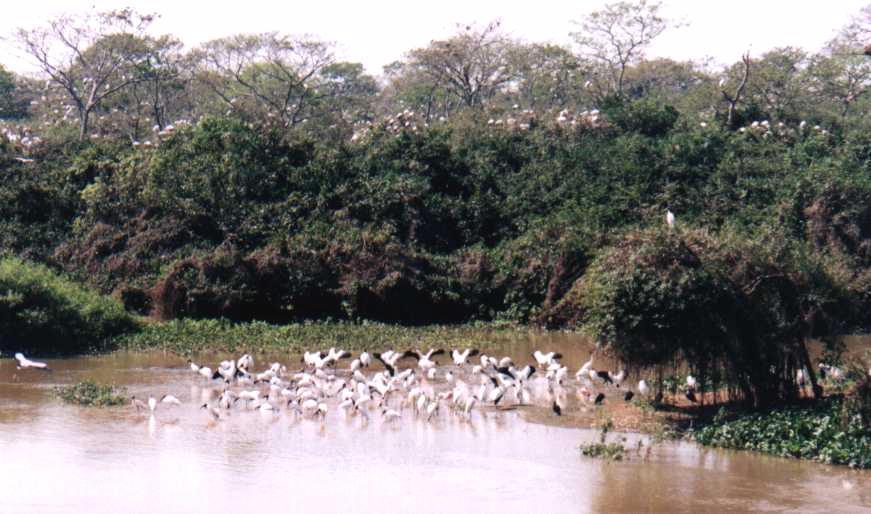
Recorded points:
(377,32)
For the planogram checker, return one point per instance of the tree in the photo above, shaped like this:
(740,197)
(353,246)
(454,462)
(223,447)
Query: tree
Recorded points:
(616,37)
(157,97)
(10,105)
(548,77)
(779,84)
(270,74)
(89,57)
(472,66)
(733,98)
(840,75)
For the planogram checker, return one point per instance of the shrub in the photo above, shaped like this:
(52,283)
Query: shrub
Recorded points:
(731,307)
(42,312)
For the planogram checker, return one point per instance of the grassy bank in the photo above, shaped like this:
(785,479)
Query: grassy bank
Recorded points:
(215,335)
(825,431)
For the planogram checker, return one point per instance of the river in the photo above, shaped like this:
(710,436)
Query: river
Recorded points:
(62,458)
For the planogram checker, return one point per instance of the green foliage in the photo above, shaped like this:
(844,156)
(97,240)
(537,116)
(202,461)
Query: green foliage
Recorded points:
(43,312)
(453,222)
(817,433)
(193,336)
(644,116)
(733,308)
(88,393)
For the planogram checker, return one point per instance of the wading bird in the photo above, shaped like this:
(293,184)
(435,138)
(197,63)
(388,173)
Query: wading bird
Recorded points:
(25,363)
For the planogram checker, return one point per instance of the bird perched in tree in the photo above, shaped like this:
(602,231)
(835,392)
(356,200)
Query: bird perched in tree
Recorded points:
(669,218)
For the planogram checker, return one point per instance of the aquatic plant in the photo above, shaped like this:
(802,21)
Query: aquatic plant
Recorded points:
(818,432)
(187,336)
(89,393)
(602,449)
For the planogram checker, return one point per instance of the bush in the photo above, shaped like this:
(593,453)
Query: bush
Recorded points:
(42,312)
(729,306)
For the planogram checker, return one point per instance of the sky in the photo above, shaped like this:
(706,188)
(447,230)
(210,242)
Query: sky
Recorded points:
(377,32)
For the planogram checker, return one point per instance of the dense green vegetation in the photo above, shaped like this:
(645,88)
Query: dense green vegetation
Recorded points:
(258,179)
(186,336)
(91,394)
(39,310)
(826,431)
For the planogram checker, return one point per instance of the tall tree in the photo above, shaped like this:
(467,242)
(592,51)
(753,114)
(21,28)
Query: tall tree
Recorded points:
(841,75)
(90,57)
(267,74)
(616,36)
(473,65)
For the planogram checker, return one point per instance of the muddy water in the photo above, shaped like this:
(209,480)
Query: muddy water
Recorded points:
(59,458)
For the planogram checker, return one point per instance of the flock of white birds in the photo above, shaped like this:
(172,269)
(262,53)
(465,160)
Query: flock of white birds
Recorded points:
(394,384)
(404,381)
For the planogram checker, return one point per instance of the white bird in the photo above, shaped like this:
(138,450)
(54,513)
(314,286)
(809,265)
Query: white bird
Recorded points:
(390,415)
(618,378)
(245,362)
(168,398)
(585,369)
(643,389)
(213,412)
(669,218)
(365,360)
(544,359)
(137,403)
(460,358)
(691,382)
(24,363)
(152,403)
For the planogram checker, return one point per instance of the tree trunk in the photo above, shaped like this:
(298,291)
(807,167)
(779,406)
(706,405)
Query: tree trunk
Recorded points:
(84,121)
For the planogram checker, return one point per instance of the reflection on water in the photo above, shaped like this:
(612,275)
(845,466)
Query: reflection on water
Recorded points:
(59,458)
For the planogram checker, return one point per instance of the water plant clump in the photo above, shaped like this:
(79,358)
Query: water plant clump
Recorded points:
(187,336)
(823,432)
(89,393)
(602,449)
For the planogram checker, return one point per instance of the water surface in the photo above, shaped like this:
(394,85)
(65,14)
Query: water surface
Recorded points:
(60,458)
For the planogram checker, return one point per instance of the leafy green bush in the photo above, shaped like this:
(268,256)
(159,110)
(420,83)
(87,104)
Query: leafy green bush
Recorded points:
(816,432)
(43,312)
(92,394)
(731,307)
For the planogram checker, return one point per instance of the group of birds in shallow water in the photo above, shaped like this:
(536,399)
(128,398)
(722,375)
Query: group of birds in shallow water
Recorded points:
(424,386)
(394,384)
